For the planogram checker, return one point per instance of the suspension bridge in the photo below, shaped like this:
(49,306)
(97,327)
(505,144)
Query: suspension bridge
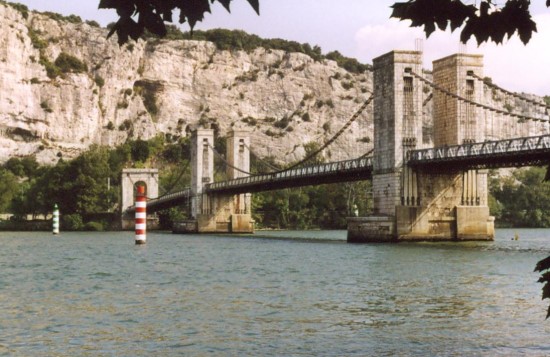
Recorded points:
(419,192)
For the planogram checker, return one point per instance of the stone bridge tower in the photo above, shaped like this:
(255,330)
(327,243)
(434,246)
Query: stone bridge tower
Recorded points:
(223,213)
(413,204)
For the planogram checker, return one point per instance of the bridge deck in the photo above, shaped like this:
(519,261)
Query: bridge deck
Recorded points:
(341,171)
(528,151)
(517,152)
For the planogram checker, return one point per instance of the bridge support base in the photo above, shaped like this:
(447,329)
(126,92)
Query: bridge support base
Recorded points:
(374,229)
(128,223)
(414,223)
(208,223)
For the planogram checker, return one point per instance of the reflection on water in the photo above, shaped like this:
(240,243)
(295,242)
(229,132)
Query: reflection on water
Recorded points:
(288,293)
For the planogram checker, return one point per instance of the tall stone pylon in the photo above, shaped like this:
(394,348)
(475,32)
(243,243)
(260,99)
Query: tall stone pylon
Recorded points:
(238,156)
(218,212)
(437,204)
(397,129)
(202,170)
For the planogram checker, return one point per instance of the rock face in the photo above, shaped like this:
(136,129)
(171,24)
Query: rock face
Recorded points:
(288,101)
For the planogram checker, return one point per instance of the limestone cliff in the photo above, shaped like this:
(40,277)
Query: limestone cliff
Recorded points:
(142,89)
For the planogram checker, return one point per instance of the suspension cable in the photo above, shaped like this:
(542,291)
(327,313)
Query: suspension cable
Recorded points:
(471,102)
(335,136)
(428,98)
(507,92)
(175,182)
(221,157)
(265,162)
(313,154)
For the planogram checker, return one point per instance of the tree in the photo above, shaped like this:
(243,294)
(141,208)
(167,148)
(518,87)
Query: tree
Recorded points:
(487,21)
(8,189)
(152,15)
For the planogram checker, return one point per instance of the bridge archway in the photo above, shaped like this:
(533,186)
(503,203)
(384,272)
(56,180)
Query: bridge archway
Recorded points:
(131,178)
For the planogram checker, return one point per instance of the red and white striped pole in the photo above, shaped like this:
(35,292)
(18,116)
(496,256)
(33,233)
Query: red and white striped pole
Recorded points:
(141,215)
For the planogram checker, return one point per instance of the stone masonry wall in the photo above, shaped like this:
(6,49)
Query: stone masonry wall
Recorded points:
(393,123)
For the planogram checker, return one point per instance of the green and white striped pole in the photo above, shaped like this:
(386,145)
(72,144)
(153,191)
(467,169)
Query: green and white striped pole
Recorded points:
(55,219)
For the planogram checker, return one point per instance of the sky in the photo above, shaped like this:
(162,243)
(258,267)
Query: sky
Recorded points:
(361,29)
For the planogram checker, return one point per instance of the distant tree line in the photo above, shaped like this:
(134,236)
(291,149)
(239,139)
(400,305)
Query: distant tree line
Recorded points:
(521,199)
(237,40)
(89,185)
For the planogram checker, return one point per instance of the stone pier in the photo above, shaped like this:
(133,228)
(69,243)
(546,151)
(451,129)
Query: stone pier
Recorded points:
(414,204)
(218,213)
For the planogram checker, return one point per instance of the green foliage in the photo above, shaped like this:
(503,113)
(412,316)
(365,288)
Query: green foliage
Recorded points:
(139,150)
(547,100)
(99,80)
(79,186)
(36,40)
(46,106)
(349,64)
(22,167)
(168,216)
(93,23)
(126,125)
(72,222)
(51,69)
(521,200)
(58,17)
(70,64)
(23,9)
(347,85)
(8,188)
(234,40)
(148,90)
(94,226)
(250,121)
(250,76)
(283,123)
(325,206)
(35,80)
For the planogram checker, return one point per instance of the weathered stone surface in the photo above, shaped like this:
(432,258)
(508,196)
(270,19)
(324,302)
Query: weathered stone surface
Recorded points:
(167,87)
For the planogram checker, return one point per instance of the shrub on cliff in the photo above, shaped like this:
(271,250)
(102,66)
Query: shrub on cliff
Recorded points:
(70,64)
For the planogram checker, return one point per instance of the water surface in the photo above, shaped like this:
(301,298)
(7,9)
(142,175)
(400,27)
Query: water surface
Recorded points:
(274,293)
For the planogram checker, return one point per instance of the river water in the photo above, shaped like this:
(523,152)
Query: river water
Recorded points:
(271,294)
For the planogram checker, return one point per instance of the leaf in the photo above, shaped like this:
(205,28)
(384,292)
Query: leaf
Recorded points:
(544,278)
(193,11)
(543,264)
(153,23)
(108,4)
(546,291)
(225,4)
(429,28)
(255,5)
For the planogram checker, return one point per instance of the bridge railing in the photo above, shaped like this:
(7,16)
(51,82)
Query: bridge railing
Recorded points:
(488,148)
(303,172)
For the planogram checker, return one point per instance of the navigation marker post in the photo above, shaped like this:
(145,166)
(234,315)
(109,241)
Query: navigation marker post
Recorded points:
(55,220)
(141,215)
